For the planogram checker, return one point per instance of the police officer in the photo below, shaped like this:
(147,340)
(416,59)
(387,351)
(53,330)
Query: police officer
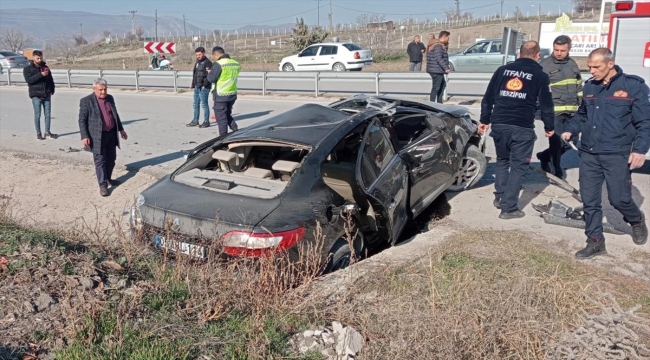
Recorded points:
(566,85)
(509,104)
(223,77)
(614,119)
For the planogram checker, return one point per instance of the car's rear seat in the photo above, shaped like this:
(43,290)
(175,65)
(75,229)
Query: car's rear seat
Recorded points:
(340,177)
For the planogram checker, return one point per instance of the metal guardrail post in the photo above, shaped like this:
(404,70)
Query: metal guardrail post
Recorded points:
(137,85)
(8,76)
(101,74)
(377,84)
(69,78)
(263,83)
(316,85)
(175,81)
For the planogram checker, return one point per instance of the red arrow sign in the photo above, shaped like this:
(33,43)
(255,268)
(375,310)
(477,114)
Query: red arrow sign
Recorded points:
(171,48)
(159,47)
(147,47)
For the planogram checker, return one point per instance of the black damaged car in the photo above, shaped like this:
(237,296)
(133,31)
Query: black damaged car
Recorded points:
(375,161)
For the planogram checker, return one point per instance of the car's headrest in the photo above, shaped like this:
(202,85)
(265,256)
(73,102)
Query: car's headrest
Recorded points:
(285,166)
(226,156)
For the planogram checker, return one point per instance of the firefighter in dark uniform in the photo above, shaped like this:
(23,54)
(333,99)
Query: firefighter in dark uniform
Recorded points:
(614,119)
(509,105)
(566,85)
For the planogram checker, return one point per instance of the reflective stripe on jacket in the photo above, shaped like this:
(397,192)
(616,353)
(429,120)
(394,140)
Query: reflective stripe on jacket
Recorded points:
(566,83)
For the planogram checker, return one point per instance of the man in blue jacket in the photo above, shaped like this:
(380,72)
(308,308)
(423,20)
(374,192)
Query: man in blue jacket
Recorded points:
(438,65)
(509,104)
(614,119)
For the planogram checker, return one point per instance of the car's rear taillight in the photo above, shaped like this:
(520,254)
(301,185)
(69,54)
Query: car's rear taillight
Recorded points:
(242,243)
(11,59)
(624,5)
(356,55)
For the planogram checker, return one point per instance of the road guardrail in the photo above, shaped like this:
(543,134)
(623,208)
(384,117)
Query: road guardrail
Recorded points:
(472,84)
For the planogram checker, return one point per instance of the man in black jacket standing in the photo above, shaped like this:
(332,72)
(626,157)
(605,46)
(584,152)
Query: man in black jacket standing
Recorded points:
(41,88)
(201,88)
(415,49)
(509,105)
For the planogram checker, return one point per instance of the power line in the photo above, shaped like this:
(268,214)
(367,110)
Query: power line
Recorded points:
(256,22)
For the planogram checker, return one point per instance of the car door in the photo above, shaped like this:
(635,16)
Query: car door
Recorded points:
(426,151)
(494,58)
(326,57)
(307,59)
(382,175)
(473,59)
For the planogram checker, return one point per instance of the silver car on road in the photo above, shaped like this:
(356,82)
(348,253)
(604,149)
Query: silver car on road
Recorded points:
(11,60)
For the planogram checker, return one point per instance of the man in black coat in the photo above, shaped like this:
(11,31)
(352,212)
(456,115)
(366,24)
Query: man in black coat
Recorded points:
(99,124)
(201,88)
(41,88)
(415,50)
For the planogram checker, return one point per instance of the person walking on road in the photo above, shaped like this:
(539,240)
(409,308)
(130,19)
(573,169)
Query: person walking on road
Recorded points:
(201,88)
(614,119)
(566,85)
(99,125)
(41,88)
(509,104)
(415,50)
(438,66)
(223,78)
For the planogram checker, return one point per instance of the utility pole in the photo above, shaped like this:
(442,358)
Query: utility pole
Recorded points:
(156,20)
(132,12)
(318,19)
(501,16)
(331,28)
(184,28)
(517,13)
(457,8)
(82,29)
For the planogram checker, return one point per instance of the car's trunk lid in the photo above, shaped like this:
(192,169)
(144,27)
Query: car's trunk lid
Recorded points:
(365,54)
(199,212)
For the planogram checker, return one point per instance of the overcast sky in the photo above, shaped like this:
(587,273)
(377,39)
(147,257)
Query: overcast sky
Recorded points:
(231,14)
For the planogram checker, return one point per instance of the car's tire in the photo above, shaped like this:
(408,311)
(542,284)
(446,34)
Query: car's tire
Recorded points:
(472,168)
(340,255)
(287,67)
(338,67)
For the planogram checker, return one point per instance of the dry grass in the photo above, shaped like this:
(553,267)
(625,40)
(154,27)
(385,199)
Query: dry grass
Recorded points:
(487,295)
(484,295)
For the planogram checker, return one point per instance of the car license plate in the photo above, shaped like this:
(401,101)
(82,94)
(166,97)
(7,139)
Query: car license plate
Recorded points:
(368,63)
(179,246)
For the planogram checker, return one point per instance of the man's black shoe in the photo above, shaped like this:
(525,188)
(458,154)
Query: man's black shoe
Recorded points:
(594,247)
(517,214)
(544,161)
(103,190)
(496,202)
(640,232)
(39,136)
(112,182)
(192,124)
(49,135)
(204,125)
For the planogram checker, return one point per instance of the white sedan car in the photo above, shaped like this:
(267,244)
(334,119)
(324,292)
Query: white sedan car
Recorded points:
(328,57)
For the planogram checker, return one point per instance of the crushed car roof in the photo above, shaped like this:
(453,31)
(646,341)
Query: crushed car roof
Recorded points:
(307,124)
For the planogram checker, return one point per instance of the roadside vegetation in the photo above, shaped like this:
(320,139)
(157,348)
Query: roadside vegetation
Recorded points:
(95,294)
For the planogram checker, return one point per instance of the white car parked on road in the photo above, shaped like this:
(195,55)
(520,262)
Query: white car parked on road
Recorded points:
(328,56)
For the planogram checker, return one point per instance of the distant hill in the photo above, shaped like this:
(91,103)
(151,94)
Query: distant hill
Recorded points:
(54,25)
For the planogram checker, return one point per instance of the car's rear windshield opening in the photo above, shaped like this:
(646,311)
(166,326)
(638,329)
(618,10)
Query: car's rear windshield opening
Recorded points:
(249,168)
(352,47)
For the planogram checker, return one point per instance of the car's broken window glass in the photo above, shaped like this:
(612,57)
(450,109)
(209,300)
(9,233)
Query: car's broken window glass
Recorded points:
(377,153)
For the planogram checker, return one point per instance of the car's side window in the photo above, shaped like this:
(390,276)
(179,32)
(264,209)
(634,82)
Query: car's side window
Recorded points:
(310,51)
(377,153)
(479,48)
(495,47)
(410,128)
(328,50)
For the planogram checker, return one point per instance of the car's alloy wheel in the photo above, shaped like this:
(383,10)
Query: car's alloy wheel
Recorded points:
(338,67)
(472,168)
(287,67)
